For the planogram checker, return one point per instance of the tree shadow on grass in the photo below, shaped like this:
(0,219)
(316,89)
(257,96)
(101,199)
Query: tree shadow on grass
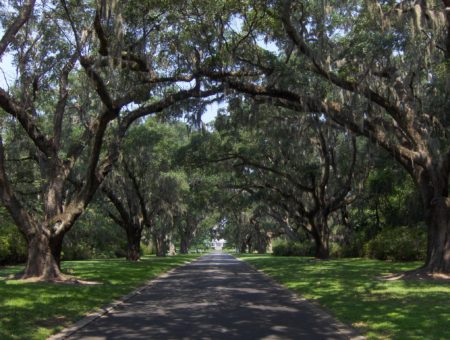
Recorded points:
(349,288)
(35,310)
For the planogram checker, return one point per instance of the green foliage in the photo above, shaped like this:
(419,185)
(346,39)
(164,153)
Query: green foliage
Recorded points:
(351,289)
(391,194)
(269,154)
(398,244)
(36,310)
(94,236)
(291,248)
(13,248)
(353,246)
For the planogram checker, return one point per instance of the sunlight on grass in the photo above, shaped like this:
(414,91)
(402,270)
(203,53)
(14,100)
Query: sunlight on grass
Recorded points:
(352,291)
(37,310)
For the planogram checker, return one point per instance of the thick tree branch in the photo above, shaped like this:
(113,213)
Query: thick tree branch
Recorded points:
(19,214)
(352,86)
(142,202)
(12,30)
(103,49)
(166,102)
(120,207)
(28,123)
(289,177)
(325,165)
(99,84)
(62,101)
(336,112)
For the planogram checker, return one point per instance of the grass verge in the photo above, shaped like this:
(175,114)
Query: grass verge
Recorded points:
(352,291)
(37,310)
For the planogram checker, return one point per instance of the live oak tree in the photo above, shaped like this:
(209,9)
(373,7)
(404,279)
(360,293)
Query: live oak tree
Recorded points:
(85,73)
(131,214)
(262,229)
(247,224)
(379,68)
(203,199)
(199,207)
(144,186)
(300,164)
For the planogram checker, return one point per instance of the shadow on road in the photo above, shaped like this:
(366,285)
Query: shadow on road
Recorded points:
(215,297)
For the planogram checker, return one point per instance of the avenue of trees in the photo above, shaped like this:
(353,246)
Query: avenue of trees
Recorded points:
(334,135)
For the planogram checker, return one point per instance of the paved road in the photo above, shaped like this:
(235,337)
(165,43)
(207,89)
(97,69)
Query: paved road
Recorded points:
(215,297)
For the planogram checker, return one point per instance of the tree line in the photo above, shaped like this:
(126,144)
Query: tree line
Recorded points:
(315,90)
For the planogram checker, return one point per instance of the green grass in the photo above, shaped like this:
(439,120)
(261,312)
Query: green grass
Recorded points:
(37,310)
(350,290)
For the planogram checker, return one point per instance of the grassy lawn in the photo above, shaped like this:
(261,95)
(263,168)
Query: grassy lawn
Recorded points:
(349,288)
(37,310)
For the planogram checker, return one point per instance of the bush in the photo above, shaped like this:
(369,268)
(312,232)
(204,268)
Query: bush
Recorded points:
(352,246)
(13,248)
(94,237)
(79,251)
(291,248)
(398,244)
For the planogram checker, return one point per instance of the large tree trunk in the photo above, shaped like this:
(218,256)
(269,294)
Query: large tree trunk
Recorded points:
(438,248)
(160,245)
(322,249)
(134,234)
(41,262)
(184,245)
(433,186)
(56,248)
(243,247)
(261,243)
(321,236)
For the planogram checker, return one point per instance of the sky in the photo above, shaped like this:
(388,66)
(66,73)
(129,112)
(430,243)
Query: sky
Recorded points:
(7,72)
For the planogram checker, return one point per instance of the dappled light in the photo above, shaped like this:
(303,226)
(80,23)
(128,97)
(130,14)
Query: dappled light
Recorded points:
(46,307)
(215,297)
(351,290)
(138,135)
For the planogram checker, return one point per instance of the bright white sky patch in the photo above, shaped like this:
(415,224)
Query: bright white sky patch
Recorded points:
(7,70)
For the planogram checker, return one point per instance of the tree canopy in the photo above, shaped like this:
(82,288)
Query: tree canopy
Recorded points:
(326,102)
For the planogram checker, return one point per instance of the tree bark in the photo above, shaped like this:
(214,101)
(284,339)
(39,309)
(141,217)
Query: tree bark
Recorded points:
(160,245)
(134,234)
(432,183)
(322,248)
(41,262)
(438,249)
(243,247)
(56,243)
(437,211)
(184,245)
(261,242)
(321,236)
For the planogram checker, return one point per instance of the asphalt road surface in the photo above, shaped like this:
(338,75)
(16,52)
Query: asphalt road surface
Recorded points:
(215,297)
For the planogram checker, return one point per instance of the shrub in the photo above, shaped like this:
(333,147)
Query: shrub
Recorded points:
(353,246)
(398,244)
(13,248)
(291,248)
(79,251)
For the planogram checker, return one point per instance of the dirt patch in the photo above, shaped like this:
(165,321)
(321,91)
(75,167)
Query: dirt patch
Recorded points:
(75,281)
(361,325)
(417,275)
(63,279)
